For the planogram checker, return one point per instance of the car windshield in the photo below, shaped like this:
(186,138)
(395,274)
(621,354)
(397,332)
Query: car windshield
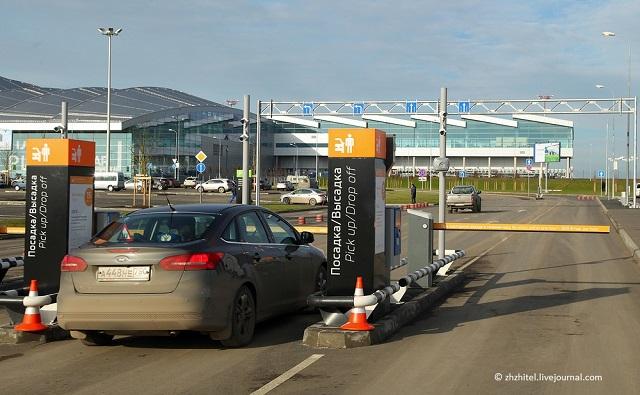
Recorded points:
(462,190)
(156,228)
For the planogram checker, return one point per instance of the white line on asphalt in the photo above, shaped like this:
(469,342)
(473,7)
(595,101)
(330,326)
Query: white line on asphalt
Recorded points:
(287,375)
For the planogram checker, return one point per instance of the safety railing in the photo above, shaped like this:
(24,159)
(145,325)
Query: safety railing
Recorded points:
(390,291)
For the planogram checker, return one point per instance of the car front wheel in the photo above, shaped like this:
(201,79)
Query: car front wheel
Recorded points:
(110,188)
(286,201)
(17,188)
(312,202)
(243,319)
(221,190)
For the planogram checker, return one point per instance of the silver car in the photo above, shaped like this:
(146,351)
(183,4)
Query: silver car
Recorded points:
(215,269)
(215,184)
(309,196)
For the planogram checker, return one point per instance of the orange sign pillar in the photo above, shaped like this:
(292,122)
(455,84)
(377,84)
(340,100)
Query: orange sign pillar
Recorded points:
(59,205)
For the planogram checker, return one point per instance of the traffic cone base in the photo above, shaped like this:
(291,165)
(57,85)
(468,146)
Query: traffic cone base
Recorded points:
(31,321)
(357,322)
(358,315)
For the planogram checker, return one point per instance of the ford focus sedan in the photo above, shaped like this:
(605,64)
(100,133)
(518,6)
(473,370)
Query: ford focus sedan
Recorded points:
(215,269)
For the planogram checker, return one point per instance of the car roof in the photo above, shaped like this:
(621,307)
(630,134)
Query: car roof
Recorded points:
(198,208)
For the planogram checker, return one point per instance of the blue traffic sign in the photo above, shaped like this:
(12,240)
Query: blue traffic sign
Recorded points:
(307,108)
(422,173)
(200,167)
(461,174)
(411,106)
(464,106)
(600,173)
(528,161)
(358,108)
(149,165)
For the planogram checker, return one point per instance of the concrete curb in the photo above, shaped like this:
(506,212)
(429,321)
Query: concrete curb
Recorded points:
(10,336)
(322,336)
(626,239)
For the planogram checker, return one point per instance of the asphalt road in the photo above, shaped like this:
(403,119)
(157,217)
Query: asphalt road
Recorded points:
(550,304)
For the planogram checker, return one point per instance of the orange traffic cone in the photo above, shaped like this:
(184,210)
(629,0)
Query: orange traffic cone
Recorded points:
(31,321)
(358,315)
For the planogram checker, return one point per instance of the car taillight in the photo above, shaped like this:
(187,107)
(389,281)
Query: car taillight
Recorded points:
(195,261)
(72,263)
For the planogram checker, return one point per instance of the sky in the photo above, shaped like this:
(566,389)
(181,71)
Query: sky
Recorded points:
(338,50)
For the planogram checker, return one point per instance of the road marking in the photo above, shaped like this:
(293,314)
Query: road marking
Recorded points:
(522,211)
(287,375)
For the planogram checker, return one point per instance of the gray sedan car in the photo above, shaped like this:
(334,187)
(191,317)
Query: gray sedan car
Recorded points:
(215,269)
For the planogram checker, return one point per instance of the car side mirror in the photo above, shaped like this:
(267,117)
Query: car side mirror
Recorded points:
(306,237)
(479,192)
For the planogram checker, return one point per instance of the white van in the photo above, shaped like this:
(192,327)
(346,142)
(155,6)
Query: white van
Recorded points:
(299,181)
(111,181)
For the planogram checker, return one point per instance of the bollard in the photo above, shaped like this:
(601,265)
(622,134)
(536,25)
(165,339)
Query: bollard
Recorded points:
(319,218)
(301,220)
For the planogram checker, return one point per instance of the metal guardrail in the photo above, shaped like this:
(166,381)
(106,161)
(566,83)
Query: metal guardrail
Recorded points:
(14,261)
(386,292)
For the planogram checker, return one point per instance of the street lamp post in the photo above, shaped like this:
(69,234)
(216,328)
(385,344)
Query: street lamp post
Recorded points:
(613,133)
(611,35)
(177,162)
(219,152)
(109,32)
(296,161)
(316,138)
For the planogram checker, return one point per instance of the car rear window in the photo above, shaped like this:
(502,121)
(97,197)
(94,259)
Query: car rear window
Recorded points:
(156,228)
(462,190)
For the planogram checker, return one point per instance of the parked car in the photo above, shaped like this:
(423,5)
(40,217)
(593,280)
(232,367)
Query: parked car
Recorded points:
(265,184)
(305,195)
(130,184)
(215,184)
(190,182)
(172,182)
(284,186)
(638,190)
(464,197)
(216,269)
(19,184)
(160,183)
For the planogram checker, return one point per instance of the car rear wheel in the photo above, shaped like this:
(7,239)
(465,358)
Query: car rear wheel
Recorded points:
(221,190)
(243,319)
(110,188)
(17,188)
(312,202)
(97,339)
(286,201)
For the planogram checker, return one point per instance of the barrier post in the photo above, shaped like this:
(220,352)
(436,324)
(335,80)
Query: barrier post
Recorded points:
(421,241)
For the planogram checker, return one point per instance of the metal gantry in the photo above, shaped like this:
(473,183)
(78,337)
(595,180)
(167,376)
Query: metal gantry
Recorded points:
(356,109)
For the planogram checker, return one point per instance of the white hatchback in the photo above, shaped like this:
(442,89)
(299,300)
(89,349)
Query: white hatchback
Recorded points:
(215,185)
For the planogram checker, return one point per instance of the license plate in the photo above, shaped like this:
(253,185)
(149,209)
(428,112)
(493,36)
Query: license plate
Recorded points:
(123,273)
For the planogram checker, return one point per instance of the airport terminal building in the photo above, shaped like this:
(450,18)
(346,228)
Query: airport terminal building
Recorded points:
(146,122)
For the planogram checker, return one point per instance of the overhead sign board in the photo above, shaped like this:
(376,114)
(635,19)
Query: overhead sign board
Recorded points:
(464,106)
(546,152)
(201,156)
(411,106)
(358,108)
(307,108)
